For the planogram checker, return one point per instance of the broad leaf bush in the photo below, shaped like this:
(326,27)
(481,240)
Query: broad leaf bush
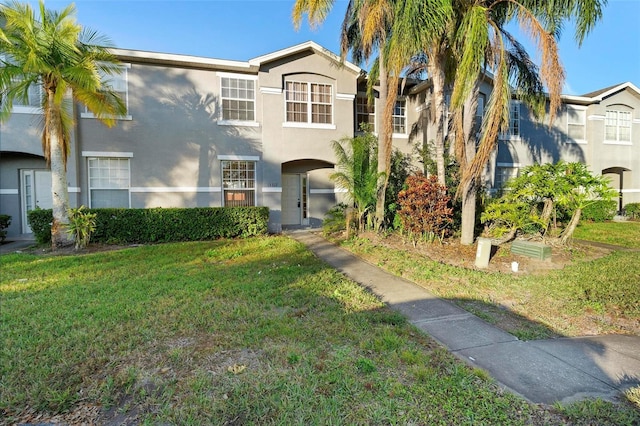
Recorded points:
(5,221)
(632,210)
(158,225)
(425,211)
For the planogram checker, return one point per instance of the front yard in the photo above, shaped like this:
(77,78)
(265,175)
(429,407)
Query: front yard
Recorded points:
(254,331)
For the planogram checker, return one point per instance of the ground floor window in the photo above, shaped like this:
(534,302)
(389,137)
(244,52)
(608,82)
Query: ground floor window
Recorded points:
(109,180)
(239,183)
(503,174)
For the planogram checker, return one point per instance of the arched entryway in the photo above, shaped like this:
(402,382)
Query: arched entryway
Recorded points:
(307,192)
(618,176)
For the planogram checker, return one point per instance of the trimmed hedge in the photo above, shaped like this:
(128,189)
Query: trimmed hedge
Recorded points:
(600,211)
(159,225)
(632,210)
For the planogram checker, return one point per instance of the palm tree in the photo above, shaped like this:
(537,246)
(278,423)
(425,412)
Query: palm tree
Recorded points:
(55,52)
(395,30)
(358,172)
(479,42)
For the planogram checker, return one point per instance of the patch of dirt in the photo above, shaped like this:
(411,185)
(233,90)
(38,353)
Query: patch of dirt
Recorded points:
(451,252)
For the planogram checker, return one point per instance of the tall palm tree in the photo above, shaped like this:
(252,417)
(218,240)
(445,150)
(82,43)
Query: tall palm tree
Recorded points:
(395,30)
(69,62)
(480,42)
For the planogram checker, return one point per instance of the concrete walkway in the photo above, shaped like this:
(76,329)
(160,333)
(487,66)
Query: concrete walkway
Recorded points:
(543,371)
(13,244)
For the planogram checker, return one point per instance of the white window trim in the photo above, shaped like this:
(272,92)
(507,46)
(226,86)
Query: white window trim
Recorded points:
(618,141)
(584,125)
(243,123)
(89,188)
(308,124)
(110,154)
(375,116)
(508,136)
(404,135)
(126,117)
(253,159)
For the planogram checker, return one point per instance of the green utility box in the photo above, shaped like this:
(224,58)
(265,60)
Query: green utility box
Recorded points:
(531,249)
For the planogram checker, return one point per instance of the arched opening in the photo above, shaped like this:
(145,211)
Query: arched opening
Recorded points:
(307,192)
(617,176)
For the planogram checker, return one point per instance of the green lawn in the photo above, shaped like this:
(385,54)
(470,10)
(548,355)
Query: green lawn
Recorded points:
(254,331)
(626,234)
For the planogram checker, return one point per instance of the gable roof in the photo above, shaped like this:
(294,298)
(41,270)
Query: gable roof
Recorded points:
(607,91)
(307,45)
(250,66)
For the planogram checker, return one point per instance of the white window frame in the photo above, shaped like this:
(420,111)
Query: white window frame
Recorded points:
(403,117)
(581,113)
(125,72)
(309,104)
(27,109)
(233,122)
(96,156)
(365,110)
(515,121)
(618,126)
(513,171)
(224,160)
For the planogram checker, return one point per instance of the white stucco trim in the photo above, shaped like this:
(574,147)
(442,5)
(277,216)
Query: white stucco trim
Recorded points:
(400,136)
(237,75)
(74,189)
(631,191)
(576,142)
(271,189)
(623,143)
(238,123)
(21,109)
(636,121)
(508,164)
(271,90)
(293,124)
(107,154)
(239,157)
(345,96)
(325,191)
(595,117)
(166,189)
(9,191)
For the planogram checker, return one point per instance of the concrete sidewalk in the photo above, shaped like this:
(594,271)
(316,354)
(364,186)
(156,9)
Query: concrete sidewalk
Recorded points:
(13,244)
(543,371)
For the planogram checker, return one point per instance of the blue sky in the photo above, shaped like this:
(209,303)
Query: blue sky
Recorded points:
(244,29)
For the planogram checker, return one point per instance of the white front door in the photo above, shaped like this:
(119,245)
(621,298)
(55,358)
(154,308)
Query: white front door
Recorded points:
(291,200)
(35,190)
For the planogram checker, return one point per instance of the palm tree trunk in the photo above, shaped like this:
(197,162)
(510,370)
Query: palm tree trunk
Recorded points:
(546,214)
(468,193)
(60,193)
(388,92)
(436,72)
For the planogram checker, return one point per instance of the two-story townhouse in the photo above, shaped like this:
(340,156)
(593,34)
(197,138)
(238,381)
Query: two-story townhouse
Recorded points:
(212,132)
(198,132)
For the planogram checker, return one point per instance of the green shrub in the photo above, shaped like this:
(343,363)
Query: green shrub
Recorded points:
(335,219)
(600,211)
(81,225)
(632,210)
(158,225)
(40,222)
(5,221)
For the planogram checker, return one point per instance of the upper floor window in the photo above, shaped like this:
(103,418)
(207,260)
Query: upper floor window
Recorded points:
(576,124)
(400,117)
(310,103)
(34,97)
(618,126)
(365,113)
(238,96)
(514,122)
(108,182)
(118,83)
